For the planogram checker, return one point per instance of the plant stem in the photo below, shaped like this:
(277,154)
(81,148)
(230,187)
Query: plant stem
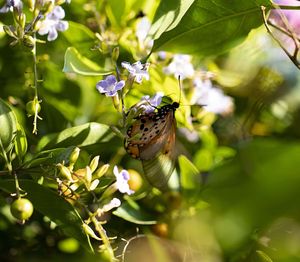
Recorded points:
(35,75)
(104,237)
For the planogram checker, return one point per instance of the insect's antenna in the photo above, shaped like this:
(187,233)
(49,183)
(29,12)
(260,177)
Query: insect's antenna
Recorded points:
(180,88)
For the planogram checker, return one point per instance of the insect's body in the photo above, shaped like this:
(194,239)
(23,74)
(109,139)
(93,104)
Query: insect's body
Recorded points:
(151,138)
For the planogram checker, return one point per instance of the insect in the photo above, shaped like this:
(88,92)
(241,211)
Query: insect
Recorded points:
(151,139)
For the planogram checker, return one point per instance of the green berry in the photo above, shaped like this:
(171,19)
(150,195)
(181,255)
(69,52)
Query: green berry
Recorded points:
(21,209)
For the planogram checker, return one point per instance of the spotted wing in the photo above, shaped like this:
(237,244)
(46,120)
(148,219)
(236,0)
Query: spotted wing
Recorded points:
(161,139)
(147,135)
(159,169)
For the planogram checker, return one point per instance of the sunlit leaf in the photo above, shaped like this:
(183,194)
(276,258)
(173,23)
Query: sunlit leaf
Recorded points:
(168,15)
(189,174)
(77,63)
(82,135)
(212,27)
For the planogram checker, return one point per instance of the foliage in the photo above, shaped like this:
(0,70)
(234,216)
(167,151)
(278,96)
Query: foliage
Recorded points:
(77,77)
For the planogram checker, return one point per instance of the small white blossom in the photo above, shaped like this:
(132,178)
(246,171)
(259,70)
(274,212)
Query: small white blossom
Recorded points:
(180,66)
(137,70)
(152,102)
(115,202)
(53,23)
(211,98)
(191,135)
(142,29)
(122,181)
(162,55)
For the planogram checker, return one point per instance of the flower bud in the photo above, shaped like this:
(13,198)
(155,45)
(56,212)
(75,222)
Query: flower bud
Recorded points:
(65,172)
(101,171)
(94,163)
(48,6)
(31,4)
(115,54)
(116,101)
(9,30)
(94,184)
(22,20)
(29,41)
(88,177)
(90,231)
(74,156)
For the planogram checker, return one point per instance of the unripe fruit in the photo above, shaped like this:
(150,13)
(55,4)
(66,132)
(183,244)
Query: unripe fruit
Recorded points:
(135,181)
(31,106)
(21,209)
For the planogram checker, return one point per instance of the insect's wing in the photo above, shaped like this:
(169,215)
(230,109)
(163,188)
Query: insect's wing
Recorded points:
(159,169)
(148,135)
(161,138)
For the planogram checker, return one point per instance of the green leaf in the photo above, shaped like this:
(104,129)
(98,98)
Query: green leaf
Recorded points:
(78,35)
(49,157)
(203,159)
(263,256)
(8,125)
(168,15)
(189,174)
(134,214)
(20,142)
(79,64)
(212,27)
(83,135)
(53,206)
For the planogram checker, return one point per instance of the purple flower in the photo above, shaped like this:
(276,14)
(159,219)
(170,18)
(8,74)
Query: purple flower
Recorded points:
(10,4)
(152,102)
(137,70)
(110,85)
(122,181)
(53,23)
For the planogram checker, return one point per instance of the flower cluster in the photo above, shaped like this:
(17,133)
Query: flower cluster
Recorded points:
(211,98)
(47,20)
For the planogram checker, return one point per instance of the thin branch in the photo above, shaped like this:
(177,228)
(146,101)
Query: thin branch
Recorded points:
(292,58)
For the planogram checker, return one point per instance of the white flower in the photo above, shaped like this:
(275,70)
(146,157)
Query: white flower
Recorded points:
(142,29)
(180,66)
(152,103)
(211,98)
(122,181)
(191,135)
(137,70)
(53,23)
(115,202)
